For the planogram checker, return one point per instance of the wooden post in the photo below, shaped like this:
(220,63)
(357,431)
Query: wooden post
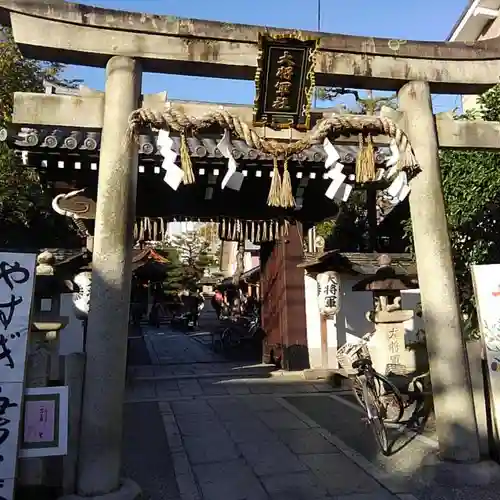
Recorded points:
(324,341)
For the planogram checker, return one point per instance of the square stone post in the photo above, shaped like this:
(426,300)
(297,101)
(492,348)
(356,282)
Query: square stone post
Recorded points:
(106,347)
(453,402)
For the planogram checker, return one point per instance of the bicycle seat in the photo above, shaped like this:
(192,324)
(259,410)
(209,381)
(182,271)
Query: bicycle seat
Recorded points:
(359,364)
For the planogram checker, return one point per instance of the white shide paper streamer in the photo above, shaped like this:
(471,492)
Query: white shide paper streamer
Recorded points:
(337,189)
(173,174)
(233,179)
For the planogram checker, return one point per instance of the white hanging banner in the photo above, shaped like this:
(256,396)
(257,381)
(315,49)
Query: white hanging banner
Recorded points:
(173,174)
(399,189)
(335,185)
(392,161)
(233,179)
(395,154)
(486,281)
(337,189)
(17,280)
(344,192)
(81,298)
(328,293)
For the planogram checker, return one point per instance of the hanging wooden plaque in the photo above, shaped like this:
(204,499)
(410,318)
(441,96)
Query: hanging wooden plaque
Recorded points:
(284,81)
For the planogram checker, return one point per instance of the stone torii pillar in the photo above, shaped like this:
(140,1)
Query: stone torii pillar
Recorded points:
(453,401)
(101,431)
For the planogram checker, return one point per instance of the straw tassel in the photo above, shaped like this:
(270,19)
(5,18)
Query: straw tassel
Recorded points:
(286,196)
(155,230)
(141,230)
(136,231)
(285,228)
(186,163)
(365,161)
(222,229)
(406,159)
(274,197)
(234,230)
(162,229)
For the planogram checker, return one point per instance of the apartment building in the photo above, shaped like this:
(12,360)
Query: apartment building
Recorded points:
(480,20)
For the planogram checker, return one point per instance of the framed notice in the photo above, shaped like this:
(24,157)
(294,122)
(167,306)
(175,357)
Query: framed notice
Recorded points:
(17,279)
(284,81)
(45,422)
(486,280)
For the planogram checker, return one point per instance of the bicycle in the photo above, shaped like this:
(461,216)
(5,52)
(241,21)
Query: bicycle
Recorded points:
(374,392)
(242,329)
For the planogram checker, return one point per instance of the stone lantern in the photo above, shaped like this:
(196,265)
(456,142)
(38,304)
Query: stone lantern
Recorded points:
(388,347)
(43,362)
(46,318)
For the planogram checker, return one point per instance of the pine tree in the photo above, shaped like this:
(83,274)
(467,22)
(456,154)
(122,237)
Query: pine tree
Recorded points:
(173,282)
(195,257)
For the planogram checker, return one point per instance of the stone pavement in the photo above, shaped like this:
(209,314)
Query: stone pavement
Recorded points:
(231,431)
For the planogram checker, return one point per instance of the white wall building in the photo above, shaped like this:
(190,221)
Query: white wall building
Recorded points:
(350,323)
(180,228)
(479,21)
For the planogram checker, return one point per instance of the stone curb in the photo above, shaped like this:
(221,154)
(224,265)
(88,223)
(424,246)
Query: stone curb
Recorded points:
(184,475)
(201,376)
(222,396)
(129,490)
(298,376)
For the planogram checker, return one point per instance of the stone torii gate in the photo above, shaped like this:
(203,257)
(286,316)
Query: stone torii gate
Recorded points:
(128,44)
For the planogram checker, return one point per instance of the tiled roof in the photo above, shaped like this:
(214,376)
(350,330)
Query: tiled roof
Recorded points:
(64,255)
(87,142)
(359,263)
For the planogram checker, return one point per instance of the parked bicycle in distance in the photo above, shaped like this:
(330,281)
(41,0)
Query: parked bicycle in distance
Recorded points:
(238,332)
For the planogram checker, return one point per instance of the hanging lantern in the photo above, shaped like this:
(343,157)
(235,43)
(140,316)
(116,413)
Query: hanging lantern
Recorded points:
(328,293)
(81,298)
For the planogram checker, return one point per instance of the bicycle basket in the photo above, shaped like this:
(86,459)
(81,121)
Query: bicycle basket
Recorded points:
(350,352)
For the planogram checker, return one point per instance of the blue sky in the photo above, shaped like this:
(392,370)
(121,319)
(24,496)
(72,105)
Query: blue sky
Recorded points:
(399,19)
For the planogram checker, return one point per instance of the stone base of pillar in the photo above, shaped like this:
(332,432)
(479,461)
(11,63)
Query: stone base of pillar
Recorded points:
(129,490)
(460,475)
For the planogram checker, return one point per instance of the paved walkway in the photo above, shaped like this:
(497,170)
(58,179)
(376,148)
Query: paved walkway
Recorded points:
(231,431)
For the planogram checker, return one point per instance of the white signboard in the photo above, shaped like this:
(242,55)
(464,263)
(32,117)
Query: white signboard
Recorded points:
(328,293)
(486,279)
(17,279)
(45,422)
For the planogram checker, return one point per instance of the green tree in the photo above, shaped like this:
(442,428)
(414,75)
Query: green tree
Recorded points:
(195,257)
(368,104)
(173,282)
(471,187)
(349,231)
(25,214)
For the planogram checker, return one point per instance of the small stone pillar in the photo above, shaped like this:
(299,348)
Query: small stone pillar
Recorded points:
(453,402)
(102,413)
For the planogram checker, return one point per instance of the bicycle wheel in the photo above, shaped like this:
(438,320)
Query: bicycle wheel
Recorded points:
(392,404)
(376,421)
